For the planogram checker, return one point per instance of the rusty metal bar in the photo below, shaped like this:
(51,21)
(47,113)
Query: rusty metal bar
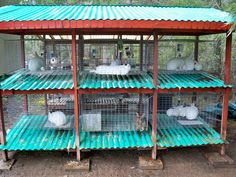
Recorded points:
(154,104)
(22,48)
(76,99)
(228,54)
(2,130)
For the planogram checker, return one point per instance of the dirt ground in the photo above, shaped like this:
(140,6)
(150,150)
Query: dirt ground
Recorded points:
(185,162)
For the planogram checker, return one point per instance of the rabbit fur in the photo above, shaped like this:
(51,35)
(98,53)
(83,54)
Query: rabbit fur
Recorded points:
(190,112)
(58,118)
(117,70)
(36,63)
(140,122)
(182,64)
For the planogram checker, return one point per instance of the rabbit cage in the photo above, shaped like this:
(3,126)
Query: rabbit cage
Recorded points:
(115,112)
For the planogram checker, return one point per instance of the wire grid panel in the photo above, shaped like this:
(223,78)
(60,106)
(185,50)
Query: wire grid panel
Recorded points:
(183,115)
(114,112)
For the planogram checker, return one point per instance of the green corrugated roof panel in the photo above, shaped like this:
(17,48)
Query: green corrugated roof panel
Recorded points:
(115,140)
(110,12)
(29,133)
(176,135)
(25,80)
(93,81)
(189,80)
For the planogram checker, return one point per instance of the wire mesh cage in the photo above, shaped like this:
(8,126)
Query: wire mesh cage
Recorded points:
(189,110)
(114,112)
(46,122)
(53,111)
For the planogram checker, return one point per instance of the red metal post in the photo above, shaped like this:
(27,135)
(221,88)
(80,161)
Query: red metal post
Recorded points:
(76,99)
(22,47)
(2,130)
(228,53)
(154,104)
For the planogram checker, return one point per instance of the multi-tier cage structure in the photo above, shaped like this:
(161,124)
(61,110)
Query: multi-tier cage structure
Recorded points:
(145,108)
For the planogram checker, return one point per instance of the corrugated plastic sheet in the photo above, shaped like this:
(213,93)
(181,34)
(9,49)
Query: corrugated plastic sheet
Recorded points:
(110,12)
(93,81)
(29,134)
(25,80)
(189,80)
(183,136)
(115,140)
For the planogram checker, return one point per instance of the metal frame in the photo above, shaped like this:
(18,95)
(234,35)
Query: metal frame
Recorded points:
(139,27)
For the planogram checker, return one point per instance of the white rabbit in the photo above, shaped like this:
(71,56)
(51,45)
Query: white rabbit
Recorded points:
(36,63)
(197,66)
(117,70)
(175,64)
(191,112)
(58,118)
(188,65)
(175,111)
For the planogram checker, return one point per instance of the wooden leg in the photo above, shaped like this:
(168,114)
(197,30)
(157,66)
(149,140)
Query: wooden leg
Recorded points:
(154,126)
(2,131)
(224,120)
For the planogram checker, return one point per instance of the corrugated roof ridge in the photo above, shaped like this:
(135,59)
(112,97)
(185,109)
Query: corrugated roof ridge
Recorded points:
(118,5)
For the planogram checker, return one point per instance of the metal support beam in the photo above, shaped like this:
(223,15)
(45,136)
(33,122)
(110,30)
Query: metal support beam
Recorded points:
(228,54)
(2,130)
(154,104)
(22,48)
(76,99)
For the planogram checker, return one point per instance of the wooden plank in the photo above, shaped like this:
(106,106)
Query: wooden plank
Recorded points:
(2,130)
(154,104)
(146,163)
(83,165)
(227,70)
(76,99)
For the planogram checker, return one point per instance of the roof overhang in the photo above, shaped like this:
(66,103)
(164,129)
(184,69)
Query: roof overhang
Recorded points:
(64,27)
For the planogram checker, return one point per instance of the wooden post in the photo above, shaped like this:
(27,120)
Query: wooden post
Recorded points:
(196,51)
(2,130)
(22,48)
(76,99)
(228,53)
(81,52)
(196,48)
(154,104)
(45,57)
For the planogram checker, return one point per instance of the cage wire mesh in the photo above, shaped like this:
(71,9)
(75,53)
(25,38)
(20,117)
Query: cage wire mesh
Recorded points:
(114,112)
(54,111)
(208,112)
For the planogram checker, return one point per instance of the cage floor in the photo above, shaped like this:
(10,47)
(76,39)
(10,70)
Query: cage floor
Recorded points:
(115,140)
(173,134)
(30,133)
